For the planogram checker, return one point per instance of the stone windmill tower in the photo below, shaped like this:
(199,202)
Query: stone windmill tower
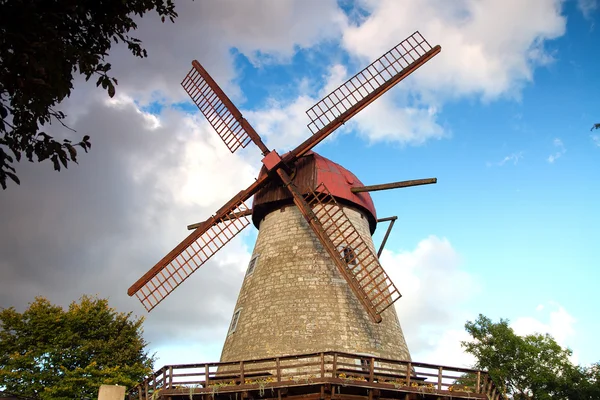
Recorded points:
(314,282)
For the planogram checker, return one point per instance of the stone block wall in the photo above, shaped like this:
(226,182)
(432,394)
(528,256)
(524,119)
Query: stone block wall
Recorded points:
(295,301)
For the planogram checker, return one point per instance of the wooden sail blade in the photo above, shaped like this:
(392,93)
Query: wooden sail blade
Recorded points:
(190,255)
(338,258)
(220,112)
(362,265)
(364,87)
(367,81)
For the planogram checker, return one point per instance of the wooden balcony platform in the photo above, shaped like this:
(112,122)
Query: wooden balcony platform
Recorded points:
(329,375)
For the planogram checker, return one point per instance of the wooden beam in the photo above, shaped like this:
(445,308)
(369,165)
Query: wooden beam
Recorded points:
(393,185)
(387,233)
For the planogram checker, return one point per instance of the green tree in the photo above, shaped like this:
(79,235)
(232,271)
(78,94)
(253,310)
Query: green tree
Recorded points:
(43,43)
(48,352)
(531,366)
(595,126)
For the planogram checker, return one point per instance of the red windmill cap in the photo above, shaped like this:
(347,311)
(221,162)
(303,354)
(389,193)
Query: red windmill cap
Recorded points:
(313,169)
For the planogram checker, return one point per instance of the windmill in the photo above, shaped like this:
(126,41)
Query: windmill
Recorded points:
(314,251)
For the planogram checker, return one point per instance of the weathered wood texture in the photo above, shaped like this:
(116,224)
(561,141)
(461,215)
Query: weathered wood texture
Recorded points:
(319,375)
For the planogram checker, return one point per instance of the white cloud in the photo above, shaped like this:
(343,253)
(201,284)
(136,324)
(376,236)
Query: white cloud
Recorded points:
(587,7)
(385,121)
(512,158)
(266,31)
(105,222)
(282,125)
(434,287)
(596,139)
(560,150)
(489,48)
(559,323)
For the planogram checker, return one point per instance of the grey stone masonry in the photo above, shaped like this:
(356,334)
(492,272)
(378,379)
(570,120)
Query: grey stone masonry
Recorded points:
(295,301)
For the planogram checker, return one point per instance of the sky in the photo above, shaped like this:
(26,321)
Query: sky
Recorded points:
(501,117)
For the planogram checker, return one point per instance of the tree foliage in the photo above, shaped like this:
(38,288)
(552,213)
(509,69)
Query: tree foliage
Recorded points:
(40,51)
(47,352)
(531,366)
(595,126)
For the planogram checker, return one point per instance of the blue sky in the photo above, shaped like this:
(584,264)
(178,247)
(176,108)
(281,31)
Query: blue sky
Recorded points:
(518,175)
(501,117)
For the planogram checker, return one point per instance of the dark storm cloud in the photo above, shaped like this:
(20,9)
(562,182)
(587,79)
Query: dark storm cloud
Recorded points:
(98,226)
(208,30)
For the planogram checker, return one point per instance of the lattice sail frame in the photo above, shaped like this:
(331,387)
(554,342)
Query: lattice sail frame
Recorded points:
(367,81)
(177,270)
(363,267)
(220,112)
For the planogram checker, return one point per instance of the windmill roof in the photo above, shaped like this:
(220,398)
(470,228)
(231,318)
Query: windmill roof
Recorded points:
(311,170)
(339,181)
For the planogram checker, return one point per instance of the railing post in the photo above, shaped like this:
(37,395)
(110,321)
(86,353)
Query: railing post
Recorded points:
(170,376)
(206,375)
(334,372)
(164,378)
(322,365)
(408,372)
(242,379)
(440,378)
(146,389)
(278,366)
(372,370)
(478,390)
(139,387)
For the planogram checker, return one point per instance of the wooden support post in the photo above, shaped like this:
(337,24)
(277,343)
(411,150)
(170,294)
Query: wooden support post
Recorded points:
(278,367)
(322,365)
(334,372)
(387,233)
(440,370)
(372,370)
(206,375)
(478,390)
(408,372)
(242,379)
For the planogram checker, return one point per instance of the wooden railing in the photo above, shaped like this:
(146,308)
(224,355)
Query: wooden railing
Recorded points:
(315,369)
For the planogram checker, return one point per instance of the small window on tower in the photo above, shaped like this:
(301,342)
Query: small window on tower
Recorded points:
(252,265)
(234,321)
(348,255)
